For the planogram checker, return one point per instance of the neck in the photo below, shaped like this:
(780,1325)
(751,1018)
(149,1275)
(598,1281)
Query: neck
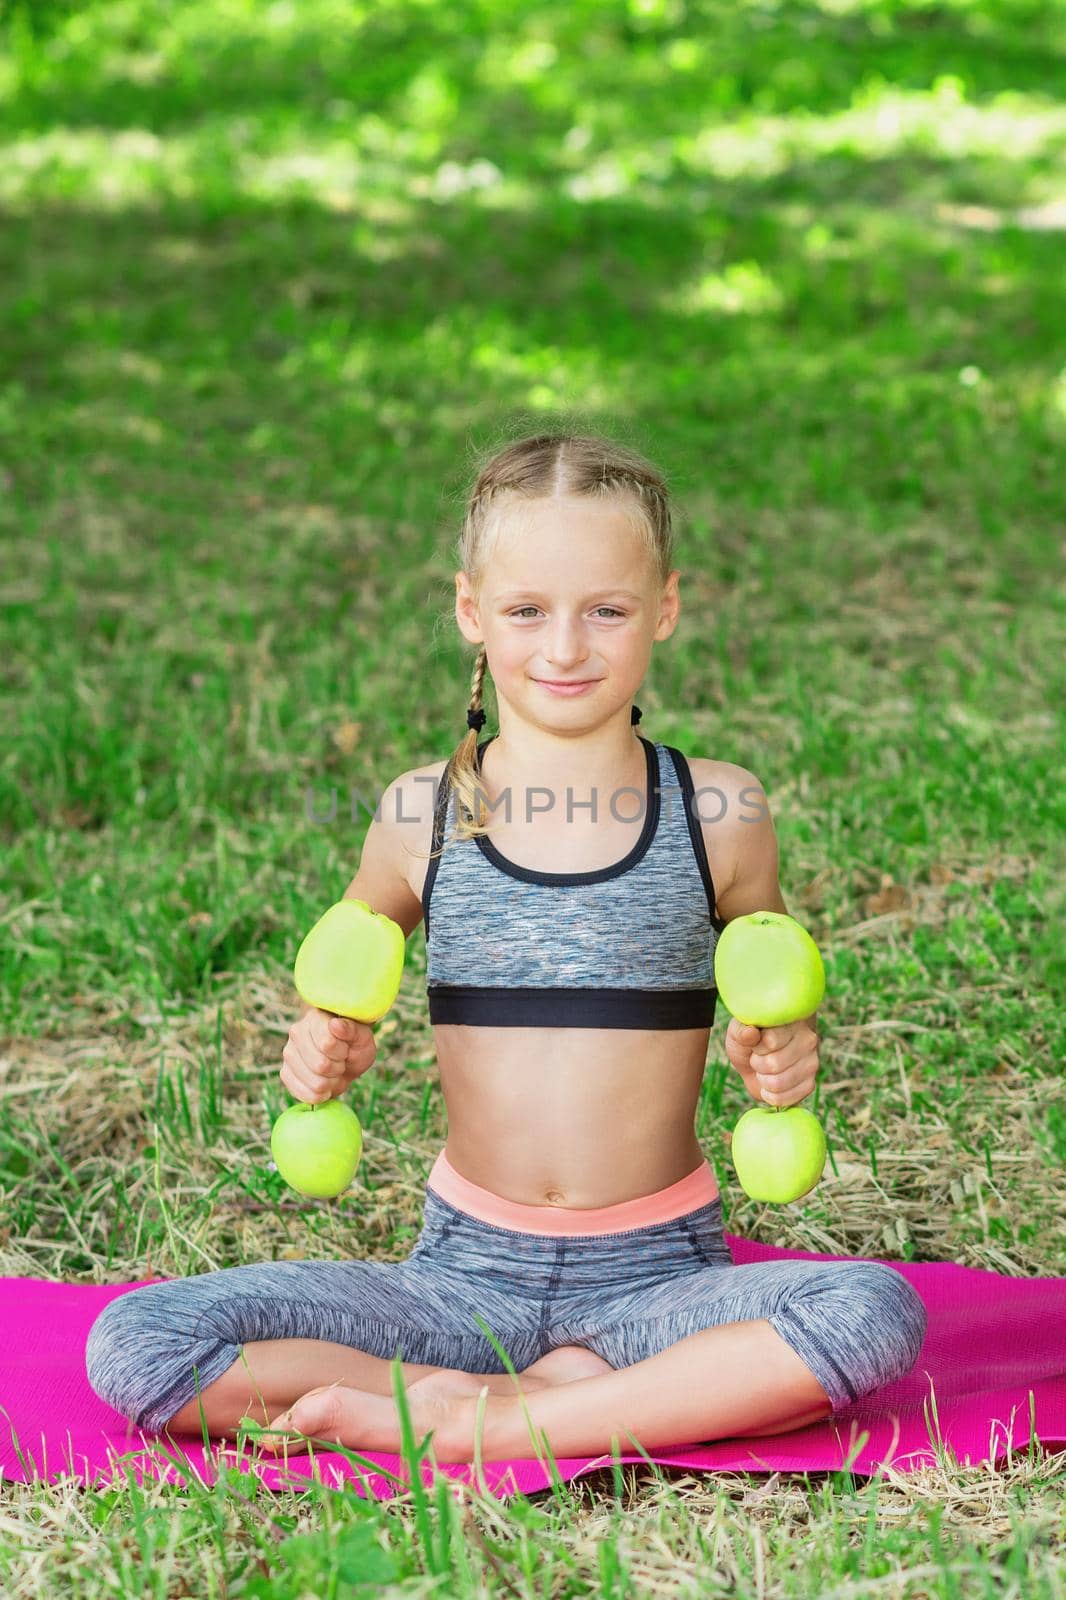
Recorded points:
(526,756)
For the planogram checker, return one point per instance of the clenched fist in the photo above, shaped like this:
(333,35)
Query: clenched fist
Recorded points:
(778,1065)
(324,1054)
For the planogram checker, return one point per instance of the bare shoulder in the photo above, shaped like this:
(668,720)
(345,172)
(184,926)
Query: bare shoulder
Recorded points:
(418,786)
(407,804)
(407,808)
(723,791)
(738,834)
(395,854)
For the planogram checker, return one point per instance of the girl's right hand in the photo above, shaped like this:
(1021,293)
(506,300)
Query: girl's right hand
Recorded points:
(740,1040)
(324,1054)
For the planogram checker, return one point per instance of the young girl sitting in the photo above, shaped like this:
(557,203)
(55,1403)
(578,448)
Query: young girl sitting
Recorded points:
(570,919)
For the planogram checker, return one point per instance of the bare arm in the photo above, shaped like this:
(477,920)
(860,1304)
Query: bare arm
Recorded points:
(381,879)
(324,1052)
(755,886)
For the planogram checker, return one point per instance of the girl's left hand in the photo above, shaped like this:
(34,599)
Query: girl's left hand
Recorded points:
(778,1065)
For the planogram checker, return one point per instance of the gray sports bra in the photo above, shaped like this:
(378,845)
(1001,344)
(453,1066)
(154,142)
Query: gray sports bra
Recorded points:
(625,946)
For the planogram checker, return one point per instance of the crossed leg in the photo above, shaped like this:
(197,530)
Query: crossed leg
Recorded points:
(689,1359)
(250,1340)
(274,1373)
(737,1378)
(859,1323)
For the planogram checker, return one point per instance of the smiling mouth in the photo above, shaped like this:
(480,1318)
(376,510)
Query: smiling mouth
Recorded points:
(565,683)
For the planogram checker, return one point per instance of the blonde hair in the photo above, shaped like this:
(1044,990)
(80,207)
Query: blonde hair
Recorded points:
(545,466)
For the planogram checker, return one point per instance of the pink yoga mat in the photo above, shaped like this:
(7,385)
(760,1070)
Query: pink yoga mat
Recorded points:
(994,1361)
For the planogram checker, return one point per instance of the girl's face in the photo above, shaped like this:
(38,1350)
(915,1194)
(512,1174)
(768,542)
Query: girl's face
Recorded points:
(569,594)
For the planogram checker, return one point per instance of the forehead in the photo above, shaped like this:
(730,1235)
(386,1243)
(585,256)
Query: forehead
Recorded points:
(566,544)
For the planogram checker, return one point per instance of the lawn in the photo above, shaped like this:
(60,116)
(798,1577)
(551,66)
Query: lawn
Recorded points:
(274,280)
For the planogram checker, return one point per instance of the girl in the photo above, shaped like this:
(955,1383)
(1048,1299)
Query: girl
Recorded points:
(570,920)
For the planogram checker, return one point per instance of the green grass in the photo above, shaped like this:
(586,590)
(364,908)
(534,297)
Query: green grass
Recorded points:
(274,279)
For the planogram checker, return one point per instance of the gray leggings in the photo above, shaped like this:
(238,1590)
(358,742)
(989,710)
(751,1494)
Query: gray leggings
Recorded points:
(626,1295)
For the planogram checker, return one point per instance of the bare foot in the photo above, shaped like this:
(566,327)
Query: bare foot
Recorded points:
(354,1417)
(562,1365)
(449,1382)
(357,1418)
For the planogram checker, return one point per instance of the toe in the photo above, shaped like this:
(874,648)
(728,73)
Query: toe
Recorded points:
(315,1413)
(320,1412)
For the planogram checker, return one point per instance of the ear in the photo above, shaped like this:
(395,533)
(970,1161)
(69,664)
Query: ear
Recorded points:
(467,613)
(669,606)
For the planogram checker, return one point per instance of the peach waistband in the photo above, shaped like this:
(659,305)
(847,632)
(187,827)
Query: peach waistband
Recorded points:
(699,1188)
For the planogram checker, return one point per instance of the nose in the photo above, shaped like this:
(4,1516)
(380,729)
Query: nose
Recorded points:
(565,647)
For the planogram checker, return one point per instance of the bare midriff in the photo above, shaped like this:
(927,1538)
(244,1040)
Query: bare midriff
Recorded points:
(573,1118)
(577,1118)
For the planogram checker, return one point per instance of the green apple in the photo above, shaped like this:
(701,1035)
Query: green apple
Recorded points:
(768,969)
(317,1147)
(778,1154)
(351,962)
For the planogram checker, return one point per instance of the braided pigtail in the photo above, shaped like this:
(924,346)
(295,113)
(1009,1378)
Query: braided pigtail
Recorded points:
(465,779)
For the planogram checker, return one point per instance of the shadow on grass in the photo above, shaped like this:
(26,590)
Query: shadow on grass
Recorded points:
(515,68)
